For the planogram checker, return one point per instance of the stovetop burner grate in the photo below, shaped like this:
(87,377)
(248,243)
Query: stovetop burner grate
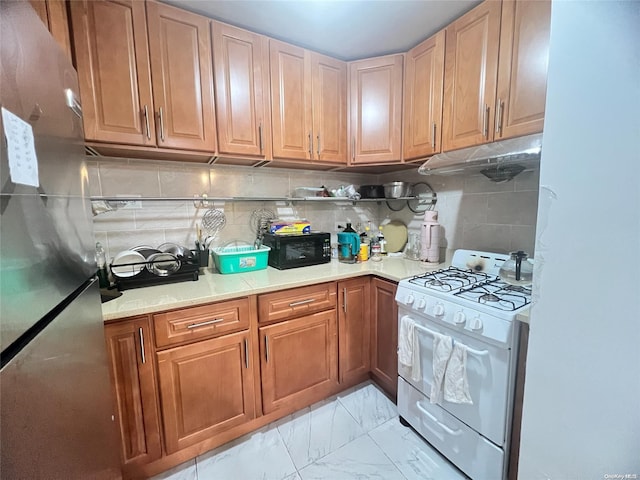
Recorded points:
(497,294)
(450,279)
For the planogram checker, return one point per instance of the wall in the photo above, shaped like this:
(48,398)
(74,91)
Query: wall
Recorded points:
(581,415)
(475,213)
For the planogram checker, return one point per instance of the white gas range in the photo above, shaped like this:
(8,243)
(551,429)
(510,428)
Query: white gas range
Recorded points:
(468,304)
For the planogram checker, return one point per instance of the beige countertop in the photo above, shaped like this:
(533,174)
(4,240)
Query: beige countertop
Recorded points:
(213,286)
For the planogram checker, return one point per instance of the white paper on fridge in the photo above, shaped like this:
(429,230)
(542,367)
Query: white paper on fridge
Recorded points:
(21,150)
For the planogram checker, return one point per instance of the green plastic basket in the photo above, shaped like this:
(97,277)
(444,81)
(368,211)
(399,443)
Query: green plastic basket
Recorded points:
(238,259)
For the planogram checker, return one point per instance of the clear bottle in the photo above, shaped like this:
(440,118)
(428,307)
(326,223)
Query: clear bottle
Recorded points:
(382,241)
(375,250)
(101,260)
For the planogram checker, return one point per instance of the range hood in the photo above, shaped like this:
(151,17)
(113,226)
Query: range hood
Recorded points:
(499,161)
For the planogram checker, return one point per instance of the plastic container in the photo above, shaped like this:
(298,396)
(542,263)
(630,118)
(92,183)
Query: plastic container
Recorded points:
(238,259)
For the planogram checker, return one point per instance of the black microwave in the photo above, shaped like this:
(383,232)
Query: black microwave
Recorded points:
(291,251)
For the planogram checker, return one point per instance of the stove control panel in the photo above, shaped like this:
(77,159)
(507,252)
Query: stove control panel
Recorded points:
(474,321)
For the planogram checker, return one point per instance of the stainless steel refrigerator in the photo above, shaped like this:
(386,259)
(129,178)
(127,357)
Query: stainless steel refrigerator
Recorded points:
(55,401)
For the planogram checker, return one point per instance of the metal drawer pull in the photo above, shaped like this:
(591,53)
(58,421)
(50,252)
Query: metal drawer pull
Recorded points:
(302,302)
(318,146)
(146,121)
(433,139)
(208,322)
(485,122)
(142,356)
(499,117)
(469,349)
(441,425)
(310,146)
(353,149)
(161,124)
(266,349)
(246,353)
(260,136)
(344,303)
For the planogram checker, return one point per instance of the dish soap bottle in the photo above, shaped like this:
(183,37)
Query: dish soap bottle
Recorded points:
(101,260)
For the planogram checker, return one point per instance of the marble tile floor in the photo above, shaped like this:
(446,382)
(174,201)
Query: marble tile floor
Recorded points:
(355,435)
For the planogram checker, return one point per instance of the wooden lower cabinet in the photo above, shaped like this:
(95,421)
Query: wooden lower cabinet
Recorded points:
(131,365)
(298,360)
(384,335)
(205,388)
(353,329)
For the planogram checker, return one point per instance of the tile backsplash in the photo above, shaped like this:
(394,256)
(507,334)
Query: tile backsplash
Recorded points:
(474,212)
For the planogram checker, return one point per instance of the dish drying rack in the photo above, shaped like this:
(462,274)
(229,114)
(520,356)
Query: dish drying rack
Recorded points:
(188,271)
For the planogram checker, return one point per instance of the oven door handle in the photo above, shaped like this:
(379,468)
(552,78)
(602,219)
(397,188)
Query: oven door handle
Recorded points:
(478,353)
(441,425)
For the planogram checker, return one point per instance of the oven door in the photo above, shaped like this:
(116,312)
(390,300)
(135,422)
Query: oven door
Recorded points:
(488,374)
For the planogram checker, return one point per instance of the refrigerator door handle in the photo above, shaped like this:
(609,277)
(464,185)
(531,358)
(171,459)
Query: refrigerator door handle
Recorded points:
(72,102)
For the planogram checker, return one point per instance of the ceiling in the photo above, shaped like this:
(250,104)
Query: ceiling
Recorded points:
(345,29)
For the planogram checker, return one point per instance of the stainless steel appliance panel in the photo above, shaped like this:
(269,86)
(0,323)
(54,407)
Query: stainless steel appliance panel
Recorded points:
(47,243)
(56,401)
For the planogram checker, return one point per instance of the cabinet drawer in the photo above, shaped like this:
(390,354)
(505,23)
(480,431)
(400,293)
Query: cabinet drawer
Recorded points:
(188,324)
(296,302)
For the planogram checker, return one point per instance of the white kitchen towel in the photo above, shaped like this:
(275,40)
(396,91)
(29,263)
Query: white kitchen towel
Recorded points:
(442,346)
(456,386)
(409,347)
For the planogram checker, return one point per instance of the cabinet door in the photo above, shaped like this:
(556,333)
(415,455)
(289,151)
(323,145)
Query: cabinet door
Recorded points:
(384,335)
(522,74)
(471,69)
(290,101)
(53,13)
(239,61)
(423,84)
(376,110)
(182,72)
(206,388)
(298,360)
(329,97)
(353,329)
(110,40)
(132,372)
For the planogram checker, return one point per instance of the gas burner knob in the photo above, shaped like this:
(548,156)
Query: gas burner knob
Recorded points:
(438,311)
(409,299)
(476,324)
(459,318)
(422,303)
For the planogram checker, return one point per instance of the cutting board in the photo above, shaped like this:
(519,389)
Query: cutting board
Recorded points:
(395,233)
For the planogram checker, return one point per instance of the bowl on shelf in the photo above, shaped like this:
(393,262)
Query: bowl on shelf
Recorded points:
(397,189)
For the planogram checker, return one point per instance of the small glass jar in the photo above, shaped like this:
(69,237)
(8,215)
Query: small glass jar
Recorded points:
(375,252)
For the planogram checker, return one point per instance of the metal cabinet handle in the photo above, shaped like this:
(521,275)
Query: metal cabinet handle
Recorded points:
(310,145)
(344,302)
(266,349)
(141,337)
(318,146)
(485,122)
(208,322)
(146,121)
(433,138)
(260,137)
(499,117)
(302,302)
(353,149)
(246,353)
(160,117)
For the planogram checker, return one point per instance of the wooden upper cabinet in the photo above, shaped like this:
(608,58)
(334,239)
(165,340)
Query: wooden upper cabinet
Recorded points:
(131,365)
(522,73)
(309,105)
(423,84)
(329,92)
(53,13)
(241,66)
(471,68)
(376,110)
(110,39)
(291,109)
(182,73)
